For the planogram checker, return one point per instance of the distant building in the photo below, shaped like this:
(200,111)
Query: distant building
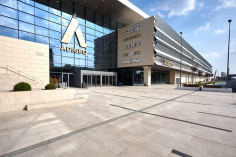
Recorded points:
(223,74)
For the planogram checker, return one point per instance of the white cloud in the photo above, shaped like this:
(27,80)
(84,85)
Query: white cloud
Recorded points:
(225,4)
(212,55)
(200,4)
(161,15)
(202,28)
(219,31)
(174,7)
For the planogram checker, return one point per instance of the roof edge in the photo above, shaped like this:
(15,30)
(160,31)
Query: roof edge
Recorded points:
(134,8)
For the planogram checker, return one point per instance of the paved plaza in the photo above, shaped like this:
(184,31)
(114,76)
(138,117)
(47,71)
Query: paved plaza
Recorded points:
(136,121)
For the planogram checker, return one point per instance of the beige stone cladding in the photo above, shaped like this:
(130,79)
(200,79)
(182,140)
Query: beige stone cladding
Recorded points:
(28,57)
(185,77)
(146,48)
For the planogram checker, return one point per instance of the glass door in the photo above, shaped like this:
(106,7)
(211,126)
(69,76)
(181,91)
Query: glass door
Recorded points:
(94,80)
(65,80)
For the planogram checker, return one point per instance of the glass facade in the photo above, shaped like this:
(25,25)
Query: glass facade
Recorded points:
(46,21)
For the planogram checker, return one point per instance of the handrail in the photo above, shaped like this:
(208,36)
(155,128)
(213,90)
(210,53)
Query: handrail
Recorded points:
(9,68)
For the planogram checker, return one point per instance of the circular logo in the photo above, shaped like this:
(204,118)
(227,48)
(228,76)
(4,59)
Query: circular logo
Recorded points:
(137,27)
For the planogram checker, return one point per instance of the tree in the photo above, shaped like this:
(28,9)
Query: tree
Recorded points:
(194,70)
(200,74)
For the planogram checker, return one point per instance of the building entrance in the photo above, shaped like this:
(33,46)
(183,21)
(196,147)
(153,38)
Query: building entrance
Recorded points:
(138,77)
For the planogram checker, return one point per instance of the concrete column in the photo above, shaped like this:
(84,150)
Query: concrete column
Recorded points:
(147,75)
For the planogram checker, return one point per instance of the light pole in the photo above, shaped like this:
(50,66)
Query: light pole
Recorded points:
(228,55)
(181,58)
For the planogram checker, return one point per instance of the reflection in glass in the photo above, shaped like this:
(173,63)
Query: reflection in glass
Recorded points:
(55,51)
(82,63)
(67,60)
(11,3)
(54,58)
(54,34)
(65,22)
(90,37)
(26,8)
(41,6)
(99,28)
(90,24)
(54,11)
(41,39)
(99,34)
(55,27)
(41,22)
(66,16)
(8,12)
(28,2)
(69,54)
(26,36)
(55,18)
(42,31)
(54,42)
(41,13)
(26,17)
(8,22)
(64,29)
(90,31)
(26,27)
(8,32)
(82,28)
(81,21)
(90,44)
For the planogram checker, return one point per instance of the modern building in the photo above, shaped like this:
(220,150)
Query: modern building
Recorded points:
(98,42)
(223,74)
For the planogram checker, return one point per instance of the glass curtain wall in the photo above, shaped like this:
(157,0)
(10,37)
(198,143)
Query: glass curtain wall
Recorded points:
(46,21)
(159,77)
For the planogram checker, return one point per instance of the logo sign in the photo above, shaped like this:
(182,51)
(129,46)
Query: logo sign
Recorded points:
(168,63)
(71,30)
(132,45)
(131,53)
(132,29)
(69,49)
(132,61)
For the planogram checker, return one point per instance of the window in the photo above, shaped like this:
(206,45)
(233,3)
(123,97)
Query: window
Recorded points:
(55,51)
(26,17)
(40,13)
(26,27)
(41,6)
(41,39)
(28,2)
(54,42)
(41,22)
(26,36)
(54,34)
(12,3)
(8,32)
(55,18)
(8,22)
(67,60)
(42,31)
(8,12)
(55,59)
(66,16)
(65,22)
(26,8)
(55,11)
(55,26)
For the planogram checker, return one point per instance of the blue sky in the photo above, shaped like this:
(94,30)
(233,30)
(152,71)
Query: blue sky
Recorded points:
(204,25)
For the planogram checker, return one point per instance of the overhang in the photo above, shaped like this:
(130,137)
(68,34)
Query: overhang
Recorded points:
(122,11)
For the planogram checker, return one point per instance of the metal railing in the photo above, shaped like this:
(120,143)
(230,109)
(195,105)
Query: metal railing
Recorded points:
(20,73)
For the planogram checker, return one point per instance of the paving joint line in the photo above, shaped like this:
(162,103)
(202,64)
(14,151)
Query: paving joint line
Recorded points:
(208,126)
(40,144)
(216,114)
(180,153)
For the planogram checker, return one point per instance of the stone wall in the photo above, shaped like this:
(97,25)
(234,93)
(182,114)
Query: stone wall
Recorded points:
(29,57)
(16,101)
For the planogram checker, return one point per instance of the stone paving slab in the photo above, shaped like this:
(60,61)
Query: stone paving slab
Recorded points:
(167,127)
